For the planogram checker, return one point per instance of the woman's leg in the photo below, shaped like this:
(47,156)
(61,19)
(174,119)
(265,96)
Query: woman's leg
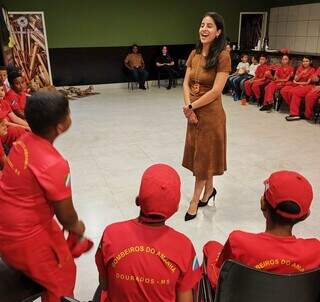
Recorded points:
(198,188)
(208,189)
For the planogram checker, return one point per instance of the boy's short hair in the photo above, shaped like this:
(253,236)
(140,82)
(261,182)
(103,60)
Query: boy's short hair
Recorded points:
(264,56)
(13,74)
(45,110)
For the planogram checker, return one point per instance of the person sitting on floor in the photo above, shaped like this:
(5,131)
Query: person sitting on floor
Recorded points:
(260,80)
(143,259)
(16,96)
(286,201)
(240,73)
(135,63)
(165,64)
(282,76)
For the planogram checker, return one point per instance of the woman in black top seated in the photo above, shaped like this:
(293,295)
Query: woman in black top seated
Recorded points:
(165,65)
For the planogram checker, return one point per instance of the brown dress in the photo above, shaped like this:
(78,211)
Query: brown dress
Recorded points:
(205,146)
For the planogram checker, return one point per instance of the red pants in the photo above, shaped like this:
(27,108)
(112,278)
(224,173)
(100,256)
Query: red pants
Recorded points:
(269,91)
(298,93)
(211,251)
(46,259)
(310,99)
(254,89)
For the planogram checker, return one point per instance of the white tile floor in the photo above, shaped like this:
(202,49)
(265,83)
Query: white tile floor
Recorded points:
(117,134)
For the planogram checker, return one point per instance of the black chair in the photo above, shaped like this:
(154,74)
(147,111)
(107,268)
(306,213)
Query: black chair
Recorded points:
(240,283)
(16,287)
(316,111)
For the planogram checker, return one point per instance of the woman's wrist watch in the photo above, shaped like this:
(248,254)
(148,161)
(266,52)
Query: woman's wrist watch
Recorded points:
(190,107)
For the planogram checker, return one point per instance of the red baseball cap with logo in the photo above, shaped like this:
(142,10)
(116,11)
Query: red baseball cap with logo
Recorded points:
(160,191)
(284,186)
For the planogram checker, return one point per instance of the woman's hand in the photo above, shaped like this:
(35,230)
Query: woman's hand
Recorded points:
(187,111)
(192,119)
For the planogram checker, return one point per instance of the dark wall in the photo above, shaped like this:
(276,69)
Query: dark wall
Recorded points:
(97,65)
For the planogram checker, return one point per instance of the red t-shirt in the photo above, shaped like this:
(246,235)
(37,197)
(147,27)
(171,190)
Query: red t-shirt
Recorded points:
(284,72)
(34,176)
(304,74)
(17,101)
(262,71)
(5,107)
(145,263)
(267,252)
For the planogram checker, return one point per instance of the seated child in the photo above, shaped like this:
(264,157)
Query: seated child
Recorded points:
(286,201)
(142,259)
(16,95)
(4,78)
(312,96)
(11,118)
(293,93)
(241,72)
(283,75)
(260,80)
(239,83)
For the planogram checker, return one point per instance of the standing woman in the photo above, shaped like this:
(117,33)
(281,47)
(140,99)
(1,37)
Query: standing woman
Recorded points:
(208,68)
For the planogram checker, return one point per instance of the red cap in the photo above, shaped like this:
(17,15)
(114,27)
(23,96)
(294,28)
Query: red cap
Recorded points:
(289,186)
(160,191)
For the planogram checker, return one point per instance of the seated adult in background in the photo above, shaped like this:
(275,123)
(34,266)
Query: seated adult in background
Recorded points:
(165,64)
(284,73)
(286,201)
(312,96)
(262,77)
(16,96)
(35,192)
(143,259)
(134,62)
(293,93)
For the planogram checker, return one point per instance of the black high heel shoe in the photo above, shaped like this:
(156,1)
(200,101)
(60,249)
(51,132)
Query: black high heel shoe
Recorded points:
(213,195)
(188,216)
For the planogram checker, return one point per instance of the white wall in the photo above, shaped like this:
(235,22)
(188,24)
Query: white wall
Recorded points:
(295,27)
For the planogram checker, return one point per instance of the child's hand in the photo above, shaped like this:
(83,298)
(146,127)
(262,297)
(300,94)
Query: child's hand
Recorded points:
(79,228)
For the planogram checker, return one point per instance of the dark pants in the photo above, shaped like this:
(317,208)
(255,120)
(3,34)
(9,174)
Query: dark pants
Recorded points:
(139,75)
(239,85)
(170,72)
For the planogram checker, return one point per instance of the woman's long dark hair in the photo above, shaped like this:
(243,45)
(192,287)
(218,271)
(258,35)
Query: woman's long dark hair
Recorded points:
(217,45)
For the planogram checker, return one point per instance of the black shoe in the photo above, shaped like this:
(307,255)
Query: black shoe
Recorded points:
(169,87)
(213,195)
(252,100)
(290,118)
(266,107)
(188,216)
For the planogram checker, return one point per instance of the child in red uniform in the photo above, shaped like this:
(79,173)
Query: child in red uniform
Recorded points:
(18,123)
(282,77)
(262,77)
(4,78)
(286,201)
(312,96)
(34,189)
(143,259)
(16,96)
(300,87)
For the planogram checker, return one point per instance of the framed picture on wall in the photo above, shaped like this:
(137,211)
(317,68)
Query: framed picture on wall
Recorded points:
(252,28)
(30,46)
